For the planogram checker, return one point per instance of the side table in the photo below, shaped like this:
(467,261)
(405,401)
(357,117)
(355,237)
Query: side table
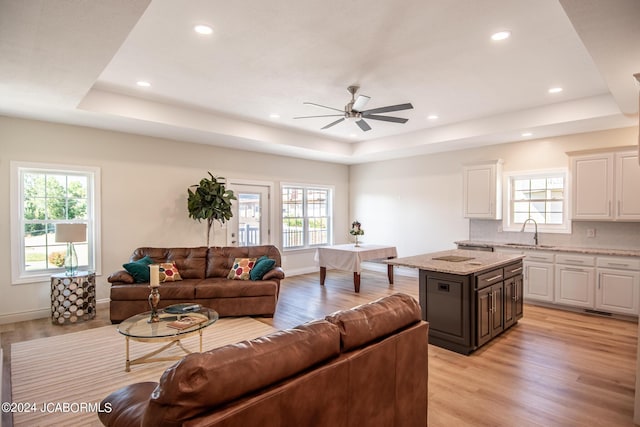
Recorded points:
(73,297)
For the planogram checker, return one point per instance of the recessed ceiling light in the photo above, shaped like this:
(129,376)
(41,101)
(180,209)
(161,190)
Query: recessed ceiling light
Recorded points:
(525,134)
(274,116)
(500,35)
(203,29)
(555,90)
(143,83)
(353,135)
(432,117)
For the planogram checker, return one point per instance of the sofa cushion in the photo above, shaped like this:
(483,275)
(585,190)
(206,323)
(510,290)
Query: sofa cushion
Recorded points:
(220,259)
(263,265)
(183,290)
(191,262)
(241,268)
(121,276)
(368,322)
(139,269)
(225,288)
(169,272)
(202,381)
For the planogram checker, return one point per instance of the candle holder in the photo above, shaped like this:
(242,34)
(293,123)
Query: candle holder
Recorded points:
(154,299)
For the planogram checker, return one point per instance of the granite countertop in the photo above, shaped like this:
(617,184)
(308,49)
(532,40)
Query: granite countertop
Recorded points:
(591,251)
(478,261)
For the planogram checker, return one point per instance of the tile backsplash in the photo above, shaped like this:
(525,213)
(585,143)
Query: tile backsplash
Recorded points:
(608,235)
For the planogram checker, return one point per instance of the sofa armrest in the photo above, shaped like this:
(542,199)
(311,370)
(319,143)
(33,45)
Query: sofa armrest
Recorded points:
(126,406)
(274,273)
(121,276)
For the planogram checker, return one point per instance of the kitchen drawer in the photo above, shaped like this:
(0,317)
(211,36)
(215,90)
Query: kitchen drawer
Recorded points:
(512,270)
(574,259)
(490,278)
(619,263)
(538,256)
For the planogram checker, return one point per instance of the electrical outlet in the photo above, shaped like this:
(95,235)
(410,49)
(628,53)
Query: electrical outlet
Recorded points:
(591,232)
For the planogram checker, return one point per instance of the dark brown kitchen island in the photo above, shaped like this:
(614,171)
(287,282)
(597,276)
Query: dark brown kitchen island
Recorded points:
(468,297)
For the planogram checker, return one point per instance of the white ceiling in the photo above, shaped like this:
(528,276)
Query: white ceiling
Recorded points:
(78,62)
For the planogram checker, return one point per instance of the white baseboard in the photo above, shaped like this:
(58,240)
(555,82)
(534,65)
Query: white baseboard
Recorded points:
(36,314)
(300,271)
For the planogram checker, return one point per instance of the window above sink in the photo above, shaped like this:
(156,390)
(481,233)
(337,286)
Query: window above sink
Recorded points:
(540,195)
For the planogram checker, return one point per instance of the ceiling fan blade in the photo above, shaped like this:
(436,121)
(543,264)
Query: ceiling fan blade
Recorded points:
(388,109)
(332,123)
(363,125)
(360,103)
(387,118)
(325,115)
(323,106)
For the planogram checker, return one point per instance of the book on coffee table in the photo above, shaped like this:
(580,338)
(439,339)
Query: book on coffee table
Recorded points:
(186,322)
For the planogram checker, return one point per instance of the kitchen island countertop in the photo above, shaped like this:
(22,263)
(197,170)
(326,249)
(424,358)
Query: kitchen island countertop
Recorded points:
(477,261)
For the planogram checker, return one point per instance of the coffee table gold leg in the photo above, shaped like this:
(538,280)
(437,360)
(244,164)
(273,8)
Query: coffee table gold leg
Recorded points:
(200,332)
(127,365)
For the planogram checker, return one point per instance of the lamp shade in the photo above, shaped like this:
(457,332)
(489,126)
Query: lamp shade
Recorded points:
(71,233)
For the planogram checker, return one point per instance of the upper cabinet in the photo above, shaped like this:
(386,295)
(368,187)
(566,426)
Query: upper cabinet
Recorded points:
(627,186)
(605,186)
(482,190)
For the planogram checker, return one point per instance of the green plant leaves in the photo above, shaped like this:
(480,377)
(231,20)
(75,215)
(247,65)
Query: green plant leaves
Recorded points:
(210,200)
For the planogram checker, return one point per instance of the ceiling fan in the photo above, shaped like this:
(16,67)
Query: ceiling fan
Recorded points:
(355,111)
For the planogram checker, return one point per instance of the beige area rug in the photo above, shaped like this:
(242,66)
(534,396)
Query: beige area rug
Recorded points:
(62,379)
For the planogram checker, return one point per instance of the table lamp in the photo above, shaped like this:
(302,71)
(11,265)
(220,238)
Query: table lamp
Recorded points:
(70,233)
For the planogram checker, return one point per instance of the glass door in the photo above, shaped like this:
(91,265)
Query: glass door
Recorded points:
(249,225)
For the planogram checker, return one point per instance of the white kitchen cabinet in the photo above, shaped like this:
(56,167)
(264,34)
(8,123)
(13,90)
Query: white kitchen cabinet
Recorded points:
(592,177)
(482,190)
(626,186)
(618,285)
(575,280)
(605,186)
(538,276)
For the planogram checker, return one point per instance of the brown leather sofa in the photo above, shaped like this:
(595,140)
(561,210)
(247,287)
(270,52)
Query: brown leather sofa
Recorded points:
(361,367)
(204,280)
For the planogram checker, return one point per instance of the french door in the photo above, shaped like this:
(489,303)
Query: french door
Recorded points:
(249,225)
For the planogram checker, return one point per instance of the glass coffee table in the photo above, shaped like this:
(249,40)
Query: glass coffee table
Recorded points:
(187,320)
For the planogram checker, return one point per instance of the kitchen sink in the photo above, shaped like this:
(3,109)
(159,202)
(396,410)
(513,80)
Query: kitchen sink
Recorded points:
(525,245)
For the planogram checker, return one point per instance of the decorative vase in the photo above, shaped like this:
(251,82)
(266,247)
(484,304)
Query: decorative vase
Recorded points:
(357,243)
(70,260)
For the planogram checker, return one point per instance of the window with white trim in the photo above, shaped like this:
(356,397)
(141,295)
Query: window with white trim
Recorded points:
(306,216)
(541,196)
(42,196)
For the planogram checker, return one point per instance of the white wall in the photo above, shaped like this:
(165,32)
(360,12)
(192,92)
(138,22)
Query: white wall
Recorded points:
(416,203)
(144,194)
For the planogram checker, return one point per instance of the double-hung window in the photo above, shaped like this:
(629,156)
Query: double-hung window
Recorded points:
(43,196)
(541,196)
(306,216)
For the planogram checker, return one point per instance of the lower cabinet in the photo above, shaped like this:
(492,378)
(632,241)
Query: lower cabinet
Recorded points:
(513,302)
(618,285)
(538,276)
(490,305)
(575,280)
(609,284)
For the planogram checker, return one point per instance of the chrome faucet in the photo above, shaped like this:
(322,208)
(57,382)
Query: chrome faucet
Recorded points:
(535,235)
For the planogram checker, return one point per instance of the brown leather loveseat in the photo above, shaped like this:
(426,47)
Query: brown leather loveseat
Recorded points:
(361,367)
(204,280)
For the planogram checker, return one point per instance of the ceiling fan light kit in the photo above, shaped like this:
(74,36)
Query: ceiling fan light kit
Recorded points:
(354,111)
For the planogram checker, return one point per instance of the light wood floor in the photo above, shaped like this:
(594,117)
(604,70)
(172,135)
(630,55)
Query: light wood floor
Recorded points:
(554,368)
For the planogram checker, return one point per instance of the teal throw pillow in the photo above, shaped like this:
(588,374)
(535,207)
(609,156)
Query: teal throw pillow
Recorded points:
(139,269)
(263,265)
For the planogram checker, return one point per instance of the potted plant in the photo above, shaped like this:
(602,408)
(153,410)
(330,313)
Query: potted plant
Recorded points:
(211,201)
